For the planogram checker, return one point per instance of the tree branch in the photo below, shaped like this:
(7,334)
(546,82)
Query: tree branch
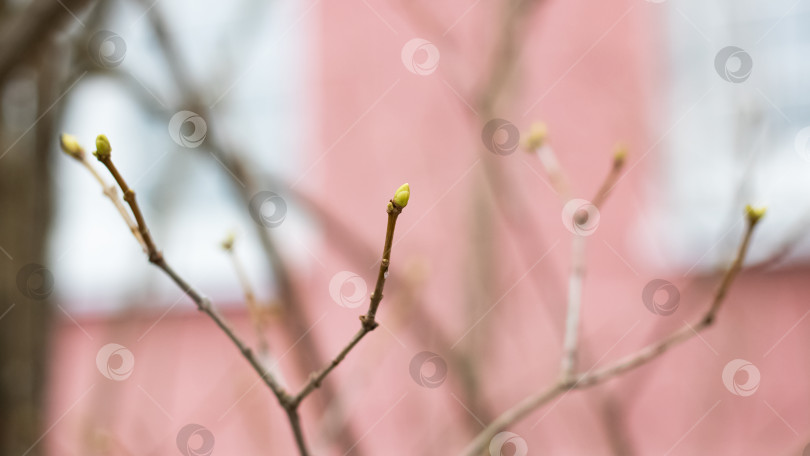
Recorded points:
(288,403)
(368,321)
(639,358)
(577,277)
(71,147)
(256,312)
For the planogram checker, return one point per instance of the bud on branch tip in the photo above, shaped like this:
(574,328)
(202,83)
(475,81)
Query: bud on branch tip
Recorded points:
(536,136)
(754,214)
(70,145)
(103,147)
(402,195)
(227,243)
(620,155)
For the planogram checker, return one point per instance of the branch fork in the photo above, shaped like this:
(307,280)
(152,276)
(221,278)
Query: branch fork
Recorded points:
(569,379)
(289,402)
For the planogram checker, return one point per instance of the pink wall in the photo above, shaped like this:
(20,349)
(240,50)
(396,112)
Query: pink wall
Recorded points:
(594,68)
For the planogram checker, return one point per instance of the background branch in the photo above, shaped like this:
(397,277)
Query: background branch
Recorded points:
(639,358)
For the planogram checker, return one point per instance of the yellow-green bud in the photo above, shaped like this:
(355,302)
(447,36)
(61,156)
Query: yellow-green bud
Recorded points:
(536,136)
(620,155)
(402,195)
(70,145)
(103,147)
(227,243)
(754,213)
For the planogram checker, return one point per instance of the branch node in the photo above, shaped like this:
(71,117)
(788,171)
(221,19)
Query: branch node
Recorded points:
(155,257)
(368,323)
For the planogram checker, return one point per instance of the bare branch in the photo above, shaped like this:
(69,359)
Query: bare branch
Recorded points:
(639,358)
(26,32)
(72,148)
(368,321)
(288,403)
(257,313)
(577,277)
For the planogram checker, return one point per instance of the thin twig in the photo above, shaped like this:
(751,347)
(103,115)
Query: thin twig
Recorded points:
(203,303)
(577,278)
(537,142)
(129,197)
(619,158)
(572,319)
(639,358)
(254,310)
(109,190)
(296,328)
(368,321)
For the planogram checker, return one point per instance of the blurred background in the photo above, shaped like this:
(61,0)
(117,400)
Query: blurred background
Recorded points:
(288,125)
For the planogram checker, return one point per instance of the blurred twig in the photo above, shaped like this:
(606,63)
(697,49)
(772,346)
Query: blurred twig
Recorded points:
(24,33)
(639,358)
(258,314)
(577,277)
(310,357)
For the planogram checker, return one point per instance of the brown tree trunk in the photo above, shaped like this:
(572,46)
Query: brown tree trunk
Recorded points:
(26,281)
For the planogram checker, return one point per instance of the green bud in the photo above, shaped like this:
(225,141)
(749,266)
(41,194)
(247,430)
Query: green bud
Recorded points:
(229,240)
(70,145)
(103,147)
(536,136)
(620,155)
(402,195)
(754,213)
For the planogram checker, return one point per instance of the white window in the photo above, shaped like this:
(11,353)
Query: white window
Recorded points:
(739,96)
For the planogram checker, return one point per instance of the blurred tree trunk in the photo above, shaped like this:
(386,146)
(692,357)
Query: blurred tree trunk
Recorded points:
(27,138)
